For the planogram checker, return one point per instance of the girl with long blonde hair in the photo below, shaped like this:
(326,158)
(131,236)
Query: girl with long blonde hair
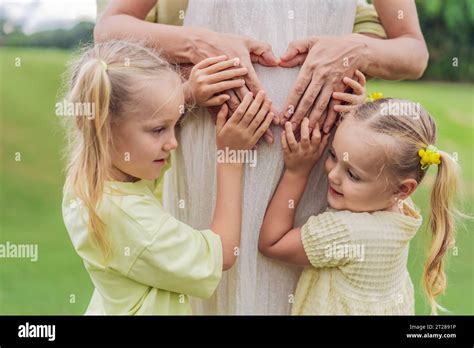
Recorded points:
(356,252)
(140,258)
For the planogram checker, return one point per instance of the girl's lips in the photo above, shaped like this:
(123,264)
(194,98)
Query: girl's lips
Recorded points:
(334,192)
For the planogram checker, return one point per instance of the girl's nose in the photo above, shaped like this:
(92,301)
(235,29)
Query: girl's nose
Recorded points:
(171,144)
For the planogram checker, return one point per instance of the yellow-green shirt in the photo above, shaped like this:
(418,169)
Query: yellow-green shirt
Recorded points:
(157,261)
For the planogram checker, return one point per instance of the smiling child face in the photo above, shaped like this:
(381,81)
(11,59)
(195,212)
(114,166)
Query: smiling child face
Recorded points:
(355,169)
(144,138)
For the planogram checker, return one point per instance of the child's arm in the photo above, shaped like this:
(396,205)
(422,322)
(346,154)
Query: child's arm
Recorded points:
(278,239)
(210,78)
(241,132)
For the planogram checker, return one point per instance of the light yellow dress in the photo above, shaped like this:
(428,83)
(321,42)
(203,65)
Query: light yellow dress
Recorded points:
(157,262)
(359,263)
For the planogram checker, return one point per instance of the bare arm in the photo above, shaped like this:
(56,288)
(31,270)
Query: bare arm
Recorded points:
(124,19)
(326,60)
(240,132)
(278,239)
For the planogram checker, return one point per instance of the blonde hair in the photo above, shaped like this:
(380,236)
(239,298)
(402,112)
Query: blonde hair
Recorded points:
(103,75)
(412,130)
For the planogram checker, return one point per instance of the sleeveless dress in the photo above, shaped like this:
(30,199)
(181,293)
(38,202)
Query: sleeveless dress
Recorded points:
(255,284)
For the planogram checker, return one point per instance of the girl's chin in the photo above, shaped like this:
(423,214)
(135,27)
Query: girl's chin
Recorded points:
(334,203)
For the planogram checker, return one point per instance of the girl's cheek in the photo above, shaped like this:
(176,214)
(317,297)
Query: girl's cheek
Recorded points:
(328,165)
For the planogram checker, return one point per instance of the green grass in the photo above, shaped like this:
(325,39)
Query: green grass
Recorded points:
(30,196)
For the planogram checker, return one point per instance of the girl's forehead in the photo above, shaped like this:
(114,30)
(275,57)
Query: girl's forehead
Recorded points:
(362,146)
(159,98)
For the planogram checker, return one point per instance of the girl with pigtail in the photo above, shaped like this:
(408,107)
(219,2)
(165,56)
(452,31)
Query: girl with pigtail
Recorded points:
(140,258)
(355,253)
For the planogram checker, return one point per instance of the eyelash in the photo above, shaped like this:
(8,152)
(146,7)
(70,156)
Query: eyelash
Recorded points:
(349,173)
(158,130)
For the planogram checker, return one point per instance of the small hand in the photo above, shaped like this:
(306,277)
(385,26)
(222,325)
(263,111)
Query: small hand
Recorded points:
(211,77)
(301,156)
(354,99)
(246,125)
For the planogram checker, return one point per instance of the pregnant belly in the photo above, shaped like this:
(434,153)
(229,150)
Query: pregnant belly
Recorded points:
(277,82)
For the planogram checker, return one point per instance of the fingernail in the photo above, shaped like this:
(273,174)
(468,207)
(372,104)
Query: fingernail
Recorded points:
(236,61)
(326,129)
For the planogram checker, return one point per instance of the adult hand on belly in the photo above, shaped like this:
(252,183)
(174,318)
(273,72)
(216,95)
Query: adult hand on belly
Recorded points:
(325,62)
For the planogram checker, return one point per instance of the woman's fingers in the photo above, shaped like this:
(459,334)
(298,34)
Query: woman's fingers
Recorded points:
(242,108)
(210,61)
(308,103)
(356,86)
(227,75)
(253,109)
(290,137)
(222,65)
(298,89)
(319,109)
(323,144)
(262,53)
(347,97)
(251,79)
(331,116)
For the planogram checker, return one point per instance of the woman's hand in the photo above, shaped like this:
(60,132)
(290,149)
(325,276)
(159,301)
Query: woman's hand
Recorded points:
(246,125)
(210,78)
(325,60)
(354,99)
(301,156)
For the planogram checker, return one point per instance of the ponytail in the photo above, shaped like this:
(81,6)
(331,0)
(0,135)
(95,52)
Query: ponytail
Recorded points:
(103,76)
(441,223)
(92,164)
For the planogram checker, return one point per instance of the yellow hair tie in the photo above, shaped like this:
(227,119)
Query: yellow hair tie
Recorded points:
(374,96)
(429,156)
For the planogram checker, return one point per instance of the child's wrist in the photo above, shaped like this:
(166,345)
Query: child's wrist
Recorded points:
(188,93)
(297,174)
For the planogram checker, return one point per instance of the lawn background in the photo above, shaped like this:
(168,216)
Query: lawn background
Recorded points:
(30,189)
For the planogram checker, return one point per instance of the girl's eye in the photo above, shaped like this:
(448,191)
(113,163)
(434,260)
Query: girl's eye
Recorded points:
(331,153)
(353,177)
(158,130)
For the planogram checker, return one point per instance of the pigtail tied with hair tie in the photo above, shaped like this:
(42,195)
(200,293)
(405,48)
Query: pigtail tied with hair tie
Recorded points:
(428,156)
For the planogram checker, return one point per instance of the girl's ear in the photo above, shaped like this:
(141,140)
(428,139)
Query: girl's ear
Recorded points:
(405,189)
